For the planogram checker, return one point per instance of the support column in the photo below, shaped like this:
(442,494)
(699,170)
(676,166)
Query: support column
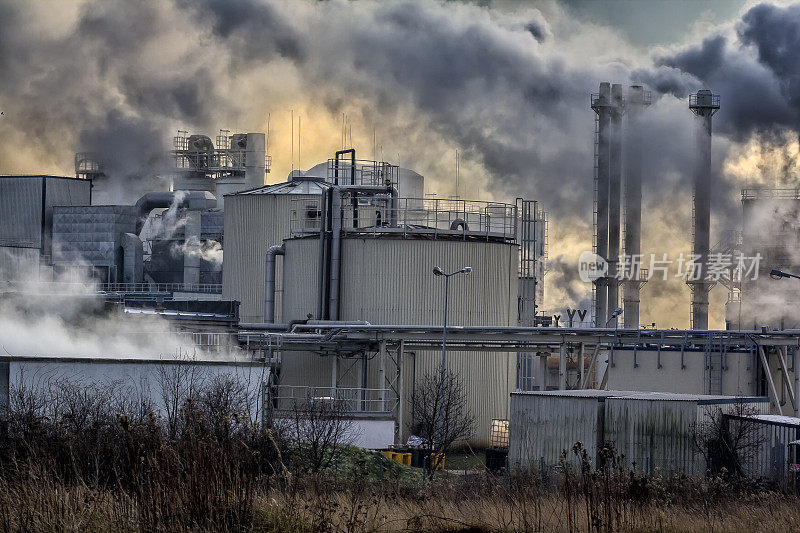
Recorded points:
(542,374)
(562,366)
(382,375)
(400,393)
(796,376)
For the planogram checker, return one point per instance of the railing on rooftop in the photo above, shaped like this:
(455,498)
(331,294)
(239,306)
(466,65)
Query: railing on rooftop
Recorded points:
(761,193)
(435,217)
(354,400)
(127,288)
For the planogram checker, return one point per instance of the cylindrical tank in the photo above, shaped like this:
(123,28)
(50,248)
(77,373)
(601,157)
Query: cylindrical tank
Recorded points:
(254,221)
(390,281)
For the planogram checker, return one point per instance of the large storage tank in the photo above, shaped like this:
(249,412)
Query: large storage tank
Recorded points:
(389,280)
(255,220)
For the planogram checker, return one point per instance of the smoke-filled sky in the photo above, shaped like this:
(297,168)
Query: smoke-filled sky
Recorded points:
(505,83)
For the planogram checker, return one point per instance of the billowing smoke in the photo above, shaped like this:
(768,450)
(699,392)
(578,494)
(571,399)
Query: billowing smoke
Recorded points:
(508,90)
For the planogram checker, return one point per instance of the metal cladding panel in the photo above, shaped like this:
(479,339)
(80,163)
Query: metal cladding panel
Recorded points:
(90,234)
(657,433)
(390,281)
(300,276)
(18,263)
(63,192)
(654,436)
(21,211)
(769,457)
(543,425)
(253,223)
(488,379)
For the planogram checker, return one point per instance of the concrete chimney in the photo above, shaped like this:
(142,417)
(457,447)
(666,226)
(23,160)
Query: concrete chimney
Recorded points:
(638,99)
(601,104)
(614,198)
(704,105)
(255,160)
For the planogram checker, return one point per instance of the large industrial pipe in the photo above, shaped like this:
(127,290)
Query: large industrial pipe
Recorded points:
(614,198)
(322,274)
(703,105)
(602,106)
(336,194)
(269,281)
(633,200)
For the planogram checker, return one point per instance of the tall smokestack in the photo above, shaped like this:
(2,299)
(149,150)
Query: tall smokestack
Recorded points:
(255,160)
(638,99)
(703,105)
(614,198)
(601,104)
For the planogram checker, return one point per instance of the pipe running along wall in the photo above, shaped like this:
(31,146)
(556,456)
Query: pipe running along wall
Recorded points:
(269,281)
(331,229)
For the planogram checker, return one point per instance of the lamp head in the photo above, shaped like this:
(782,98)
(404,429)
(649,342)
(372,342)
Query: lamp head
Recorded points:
(438,271)
(466,270)
(776,274)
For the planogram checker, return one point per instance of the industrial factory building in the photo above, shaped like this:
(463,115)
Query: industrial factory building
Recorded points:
(26,231)
(328,282)
(346,247)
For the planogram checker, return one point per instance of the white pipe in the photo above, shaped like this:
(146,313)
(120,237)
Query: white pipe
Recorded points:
(269,281)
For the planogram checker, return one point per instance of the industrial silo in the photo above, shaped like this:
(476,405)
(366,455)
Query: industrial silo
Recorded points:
(255,220)
(386,278)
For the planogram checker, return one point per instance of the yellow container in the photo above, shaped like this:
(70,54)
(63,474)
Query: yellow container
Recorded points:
(437,462)
(388,455)
(406,458)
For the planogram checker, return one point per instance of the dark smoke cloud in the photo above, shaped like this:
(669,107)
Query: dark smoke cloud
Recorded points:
(510,90)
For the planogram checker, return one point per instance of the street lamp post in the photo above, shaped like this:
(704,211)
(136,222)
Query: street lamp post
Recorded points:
(439,272)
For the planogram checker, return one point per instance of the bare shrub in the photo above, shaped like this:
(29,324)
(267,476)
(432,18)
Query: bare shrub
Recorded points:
(441,415)
(319,428)
(728,440)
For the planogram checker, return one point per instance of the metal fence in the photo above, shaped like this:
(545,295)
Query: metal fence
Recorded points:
(435,217)
(56,287)
(355,400)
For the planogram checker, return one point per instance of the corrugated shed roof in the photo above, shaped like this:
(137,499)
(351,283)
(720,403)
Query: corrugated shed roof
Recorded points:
(779,419)
(702,399)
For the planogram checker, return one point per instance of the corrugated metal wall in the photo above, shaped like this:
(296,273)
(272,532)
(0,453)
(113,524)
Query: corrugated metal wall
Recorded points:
(253,223)
(658,434)
(21,211)
(766,453)
(18,263)
(63,192)
(653,435)
(390,281)
(543,424)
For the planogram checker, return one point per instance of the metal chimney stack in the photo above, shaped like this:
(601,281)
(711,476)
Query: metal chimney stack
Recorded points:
(602,105)
(704,105)
(637,100)
(614,198)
